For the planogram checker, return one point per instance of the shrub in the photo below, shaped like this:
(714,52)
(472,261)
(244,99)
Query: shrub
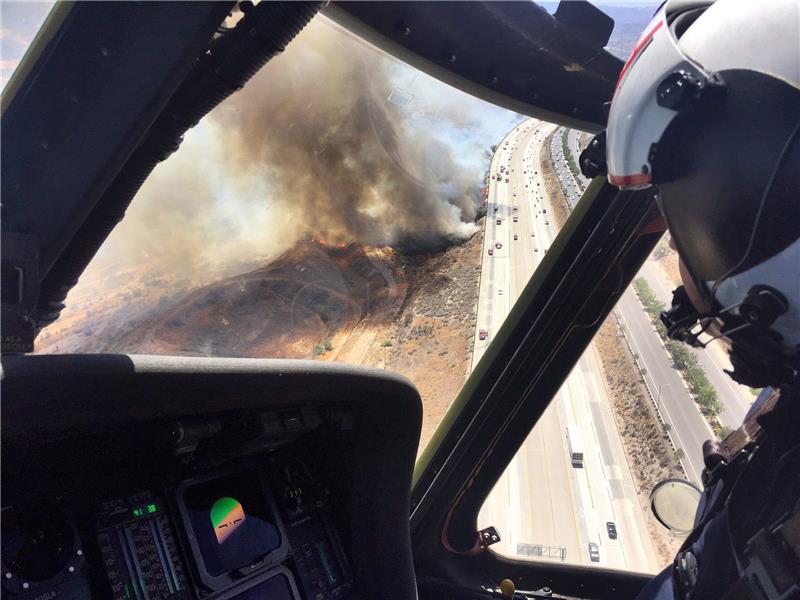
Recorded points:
(661,250)
(682,357)
(724,431)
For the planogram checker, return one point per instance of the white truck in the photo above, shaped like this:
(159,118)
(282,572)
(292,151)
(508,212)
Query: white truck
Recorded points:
(575,446)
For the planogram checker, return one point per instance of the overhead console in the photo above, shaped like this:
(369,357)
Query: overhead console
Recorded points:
(138,478)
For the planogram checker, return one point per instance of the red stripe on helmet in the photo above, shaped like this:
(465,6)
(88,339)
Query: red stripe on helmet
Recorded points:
(627,181)
(638,49)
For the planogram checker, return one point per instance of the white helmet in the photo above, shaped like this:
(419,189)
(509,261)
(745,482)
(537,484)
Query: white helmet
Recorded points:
(707,109)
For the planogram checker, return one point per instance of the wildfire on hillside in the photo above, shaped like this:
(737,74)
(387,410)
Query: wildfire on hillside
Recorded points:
(323,242)
(309,147)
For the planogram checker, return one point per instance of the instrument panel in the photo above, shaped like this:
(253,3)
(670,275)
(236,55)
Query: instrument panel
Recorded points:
(253,530)
(206,478)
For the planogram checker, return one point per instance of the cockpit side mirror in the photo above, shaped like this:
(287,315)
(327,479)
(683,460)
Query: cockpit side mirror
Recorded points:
(674,503)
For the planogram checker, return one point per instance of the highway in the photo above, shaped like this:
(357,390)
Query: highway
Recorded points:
(735,398)
(543,507)
(575,149)
(569,185)
(687,426)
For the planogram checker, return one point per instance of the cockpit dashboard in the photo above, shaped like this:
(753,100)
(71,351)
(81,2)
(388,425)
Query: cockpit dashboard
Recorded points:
(139,478)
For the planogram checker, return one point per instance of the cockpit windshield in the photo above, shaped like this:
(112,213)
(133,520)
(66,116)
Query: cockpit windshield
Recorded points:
(331,210)
(344,206)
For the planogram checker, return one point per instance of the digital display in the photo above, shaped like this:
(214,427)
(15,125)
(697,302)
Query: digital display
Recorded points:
(232,522)
(139,549)
(227,515)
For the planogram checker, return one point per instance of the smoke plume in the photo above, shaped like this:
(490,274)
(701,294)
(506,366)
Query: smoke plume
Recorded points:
(313,146)
(320,126)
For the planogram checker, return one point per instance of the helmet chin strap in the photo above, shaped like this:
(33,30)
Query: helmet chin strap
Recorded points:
(682,317)
(753,357)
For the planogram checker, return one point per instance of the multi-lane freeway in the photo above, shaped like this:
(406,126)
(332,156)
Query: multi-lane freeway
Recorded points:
(668,391)
(687,426)
(544,507)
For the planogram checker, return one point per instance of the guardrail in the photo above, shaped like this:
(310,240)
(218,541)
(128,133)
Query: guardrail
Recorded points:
(622,326)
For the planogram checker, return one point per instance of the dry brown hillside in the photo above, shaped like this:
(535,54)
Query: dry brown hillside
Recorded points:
(414,314)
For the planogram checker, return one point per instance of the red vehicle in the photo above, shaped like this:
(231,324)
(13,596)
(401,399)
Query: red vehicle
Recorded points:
(482,334)
(498,245)
(491,252)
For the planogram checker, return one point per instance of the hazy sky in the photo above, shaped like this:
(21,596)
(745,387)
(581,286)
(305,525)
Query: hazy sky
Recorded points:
(19,22)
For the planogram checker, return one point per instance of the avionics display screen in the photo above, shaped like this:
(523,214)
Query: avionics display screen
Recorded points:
(231,520)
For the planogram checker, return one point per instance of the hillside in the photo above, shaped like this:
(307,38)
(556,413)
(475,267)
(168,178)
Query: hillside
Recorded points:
(414,314)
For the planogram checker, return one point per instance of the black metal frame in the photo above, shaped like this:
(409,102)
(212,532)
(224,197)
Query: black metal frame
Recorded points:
(513,54)
(588,267)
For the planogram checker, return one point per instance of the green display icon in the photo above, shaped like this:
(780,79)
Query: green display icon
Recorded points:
(227,515)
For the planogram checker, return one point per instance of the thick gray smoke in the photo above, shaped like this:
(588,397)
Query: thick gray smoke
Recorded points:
(313,146)
(339,154)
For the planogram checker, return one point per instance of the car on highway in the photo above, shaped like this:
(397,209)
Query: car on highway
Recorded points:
(499,221)
(498,245)
(611,527)
(491,252)
(482,334)
(516,237)
(594,552)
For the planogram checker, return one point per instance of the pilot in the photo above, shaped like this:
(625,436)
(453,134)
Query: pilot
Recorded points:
(706,114)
